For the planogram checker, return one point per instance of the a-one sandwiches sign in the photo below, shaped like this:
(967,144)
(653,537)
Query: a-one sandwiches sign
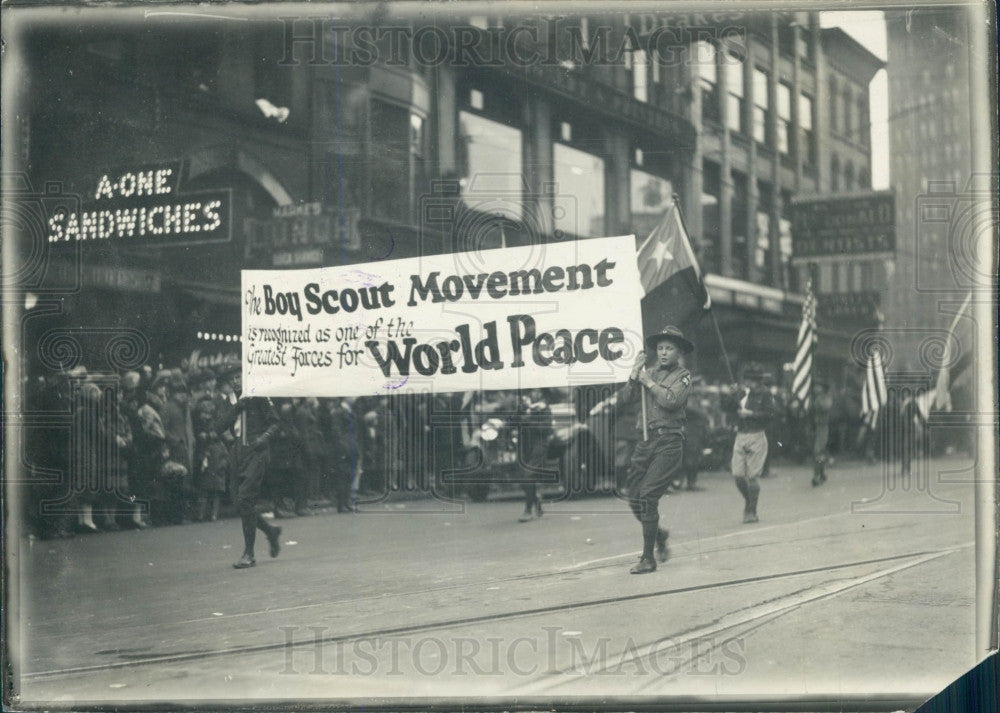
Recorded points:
(144,205)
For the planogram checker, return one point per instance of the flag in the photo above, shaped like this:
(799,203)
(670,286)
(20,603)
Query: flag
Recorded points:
(939,398)
(671,278)
(874,394)
(805,347)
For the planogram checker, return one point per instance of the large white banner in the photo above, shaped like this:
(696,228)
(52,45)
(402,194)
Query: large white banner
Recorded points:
(537,316)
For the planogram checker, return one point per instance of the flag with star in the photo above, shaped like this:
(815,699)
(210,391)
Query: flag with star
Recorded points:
(673,282)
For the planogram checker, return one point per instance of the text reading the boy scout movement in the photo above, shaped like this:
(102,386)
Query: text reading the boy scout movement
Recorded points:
(539,318)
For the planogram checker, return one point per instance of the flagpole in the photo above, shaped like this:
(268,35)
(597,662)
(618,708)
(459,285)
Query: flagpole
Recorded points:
(715,322)
(813,285)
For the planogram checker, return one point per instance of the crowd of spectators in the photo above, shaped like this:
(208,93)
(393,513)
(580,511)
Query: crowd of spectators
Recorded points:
(144,448)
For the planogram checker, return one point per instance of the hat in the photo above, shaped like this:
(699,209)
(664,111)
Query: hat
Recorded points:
(228,370)
(670,334)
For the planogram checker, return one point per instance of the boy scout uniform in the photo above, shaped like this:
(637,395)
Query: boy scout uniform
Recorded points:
(657,460)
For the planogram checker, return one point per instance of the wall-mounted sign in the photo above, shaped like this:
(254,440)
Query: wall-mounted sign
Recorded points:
(298,235)
(846,226)
(73,276)
(853,306)
(145,205)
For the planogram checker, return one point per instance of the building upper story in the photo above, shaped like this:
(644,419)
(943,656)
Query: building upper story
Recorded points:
(561,126)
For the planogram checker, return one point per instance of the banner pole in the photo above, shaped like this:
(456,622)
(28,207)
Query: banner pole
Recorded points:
(715,322)
(722,345)
(642,397)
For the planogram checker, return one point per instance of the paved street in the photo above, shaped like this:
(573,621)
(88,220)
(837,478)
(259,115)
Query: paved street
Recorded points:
(847,588)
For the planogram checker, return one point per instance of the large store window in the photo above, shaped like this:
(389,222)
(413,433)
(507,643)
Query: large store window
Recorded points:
(760,105)
(389,162)
(784,116)
(650,195)
(708,78)
(580,175)
(272,81)
(710,217)
(734,92)
(807,140)
(490,154)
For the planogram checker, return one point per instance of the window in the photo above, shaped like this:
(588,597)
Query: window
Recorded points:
(734,92)
(807,144)
(490,159)
(389,162)
(863,127)
(784,116)
(580,174)
(760,105)
(762,246)
(834,95)
(640,74)
(834,174)
(710,225)
(848,104)
(863,181)
(739,227)
(849,176)
(649,196)
(704,59)
(785,245)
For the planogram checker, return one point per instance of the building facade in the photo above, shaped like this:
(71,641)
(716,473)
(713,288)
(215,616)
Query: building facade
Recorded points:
(355,141)
(931,173)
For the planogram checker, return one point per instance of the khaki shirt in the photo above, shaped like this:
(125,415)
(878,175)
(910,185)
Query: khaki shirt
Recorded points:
(665,400)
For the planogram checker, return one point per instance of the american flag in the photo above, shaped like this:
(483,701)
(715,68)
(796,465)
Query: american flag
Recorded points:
(874,394)
(806,345)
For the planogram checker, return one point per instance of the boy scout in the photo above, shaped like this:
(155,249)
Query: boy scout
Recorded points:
(657,458)
(754,407)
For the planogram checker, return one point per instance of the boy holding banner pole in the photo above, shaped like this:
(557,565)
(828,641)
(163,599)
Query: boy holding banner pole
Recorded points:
(657,459)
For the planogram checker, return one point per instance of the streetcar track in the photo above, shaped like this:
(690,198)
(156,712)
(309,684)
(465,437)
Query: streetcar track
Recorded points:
(580,567)
(768,609)
(485,618)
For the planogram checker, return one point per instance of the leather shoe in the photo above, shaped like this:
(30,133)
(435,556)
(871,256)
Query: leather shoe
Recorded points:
(274,541)
(750,517)
(525,516)
(645,566)
(246,562)
(662,553)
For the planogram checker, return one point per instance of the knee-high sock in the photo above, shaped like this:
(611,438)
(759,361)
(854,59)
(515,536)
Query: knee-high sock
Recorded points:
(249,533)
(742,486)
(753,491)
(650,528)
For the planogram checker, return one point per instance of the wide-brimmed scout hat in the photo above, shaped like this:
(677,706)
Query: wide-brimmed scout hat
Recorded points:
(670,334)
